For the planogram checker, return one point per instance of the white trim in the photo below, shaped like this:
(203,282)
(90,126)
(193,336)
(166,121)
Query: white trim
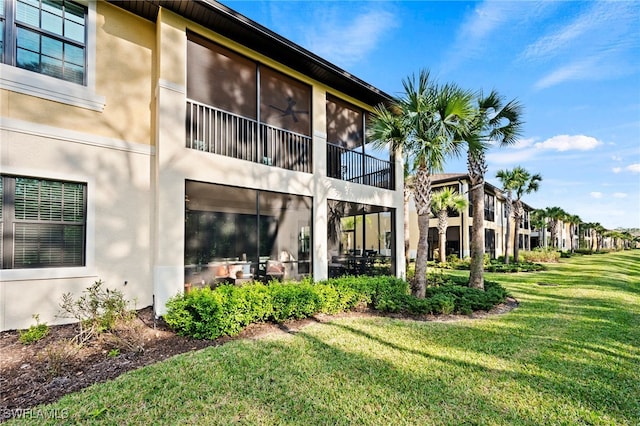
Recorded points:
(166,84)
(54,89)
(89,270)
(7,275)
(50,132)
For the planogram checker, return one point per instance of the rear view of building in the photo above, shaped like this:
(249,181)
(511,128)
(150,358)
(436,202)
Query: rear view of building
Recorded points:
(151,144)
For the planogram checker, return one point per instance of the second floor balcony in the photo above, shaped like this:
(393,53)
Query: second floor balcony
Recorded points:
(214,130)
(220,132)
(353,166)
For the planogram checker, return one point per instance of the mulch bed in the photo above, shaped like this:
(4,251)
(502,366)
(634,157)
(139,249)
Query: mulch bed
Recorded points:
(31,375)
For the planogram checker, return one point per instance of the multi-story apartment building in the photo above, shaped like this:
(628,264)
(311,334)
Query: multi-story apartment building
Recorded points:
(146,143)
(459,225)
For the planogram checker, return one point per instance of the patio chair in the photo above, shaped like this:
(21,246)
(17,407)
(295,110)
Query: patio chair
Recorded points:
(275,270)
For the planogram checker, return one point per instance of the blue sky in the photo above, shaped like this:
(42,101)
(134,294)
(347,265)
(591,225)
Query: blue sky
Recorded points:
(575,66)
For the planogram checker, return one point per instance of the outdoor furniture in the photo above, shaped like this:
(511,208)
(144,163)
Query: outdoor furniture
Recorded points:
(274,269)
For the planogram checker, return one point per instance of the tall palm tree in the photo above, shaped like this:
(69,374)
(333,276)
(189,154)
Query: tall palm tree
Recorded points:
(538,222)
(590,229)
(495,123)
(574,228)
(599,232)
(424,123)
(507,177)
(387,129)
(525,183)
(441,201)
(555,216)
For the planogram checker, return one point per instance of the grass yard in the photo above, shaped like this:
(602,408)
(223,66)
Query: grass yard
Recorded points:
(569,355)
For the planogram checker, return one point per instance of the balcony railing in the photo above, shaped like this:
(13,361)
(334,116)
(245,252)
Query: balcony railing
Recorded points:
(220,132)
(352,166)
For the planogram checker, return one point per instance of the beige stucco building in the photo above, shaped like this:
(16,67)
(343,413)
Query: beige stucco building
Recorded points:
(144,143)
(459,225)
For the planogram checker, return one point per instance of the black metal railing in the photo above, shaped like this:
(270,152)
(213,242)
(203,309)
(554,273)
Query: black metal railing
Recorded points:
(353,166)
(220,132)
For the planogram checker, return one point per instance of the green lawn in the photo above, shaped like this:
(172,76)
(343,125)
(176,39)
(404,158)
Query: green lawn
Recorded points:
(569,355)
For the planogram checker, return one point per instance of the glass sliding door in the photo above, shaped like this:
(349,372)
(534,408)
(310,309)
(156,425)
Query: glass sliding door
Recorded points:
(237,232)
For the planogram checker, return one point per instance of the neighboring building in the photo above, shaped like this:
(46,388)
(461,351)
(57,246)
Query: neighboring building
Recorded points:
(459,225)
(147,143)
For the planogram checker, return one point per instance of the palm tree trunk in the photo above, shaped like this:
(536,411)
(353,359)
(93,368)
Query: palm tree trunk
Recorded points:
(420,287)
(476,272)
(518,214)
(442,234)
(422,196)
(477,167)
(507,237)
(407,239)
(516,239)
(443,246)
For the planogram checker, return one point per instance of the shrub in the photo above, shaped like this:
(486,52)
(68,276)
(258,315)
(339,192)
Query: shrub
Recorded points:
(34,333)
(97,310)
(208,314)
(59,356)
(541,255)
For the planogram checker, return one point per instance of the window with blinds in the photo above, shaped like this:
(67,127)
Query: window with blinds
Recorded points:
(43,223)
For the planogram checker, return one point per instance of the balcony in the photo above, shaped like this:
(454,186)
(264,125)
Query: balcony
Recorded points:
(220,132)
(353,166)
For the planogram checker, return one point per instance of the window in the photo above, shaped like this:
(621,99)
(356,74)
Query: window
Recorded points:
(43,223)
(45,36)
(489,207)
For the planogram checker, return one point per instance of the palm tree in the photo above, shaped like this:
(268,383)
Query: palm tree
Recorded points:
(590,228)
(555,215)
(525,183)
(599,231)
(539,222)
(494,123)
(424,123)
(507,177)
(574,228)
(441,201)
(386,129)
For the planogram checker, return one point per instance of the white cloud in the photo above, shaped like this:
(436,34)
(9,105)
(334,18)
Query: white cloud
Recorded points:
(619,195)
(569,143)
(634,168)
(578,70)
(511,157)
(595,45)
(616,169)
(346,39)
(597,17)
(596,194)
(616,158)
(490,19)
(522,143)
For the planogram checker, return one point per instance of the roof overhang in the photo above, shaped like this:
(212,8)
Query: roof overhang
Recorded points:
(243,30)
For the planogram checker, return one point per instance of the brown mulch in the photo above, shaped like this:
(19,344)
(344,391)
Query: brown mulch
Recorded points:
(35,374)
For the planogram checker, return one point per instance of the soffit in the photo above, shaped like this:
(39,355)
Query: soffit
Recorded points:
(243,30)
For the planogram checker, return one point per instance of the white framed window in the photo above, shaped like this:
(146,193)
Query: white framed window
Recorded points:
(43,223)
(47,49)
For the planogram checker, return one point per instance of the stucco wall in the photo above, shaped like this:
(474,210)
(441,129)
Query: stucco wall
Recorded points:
(123,76)
(118,213)
(109,150)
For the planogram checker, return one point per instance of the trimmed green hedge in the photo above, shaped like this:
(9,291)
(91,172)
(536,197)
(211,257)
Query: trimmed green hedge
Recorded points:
(208,314)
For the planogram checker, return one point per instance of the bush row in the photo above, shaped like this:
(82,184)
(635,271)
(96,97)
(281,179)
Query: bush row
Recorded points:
(208,314)
(548,255)
(491,265)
